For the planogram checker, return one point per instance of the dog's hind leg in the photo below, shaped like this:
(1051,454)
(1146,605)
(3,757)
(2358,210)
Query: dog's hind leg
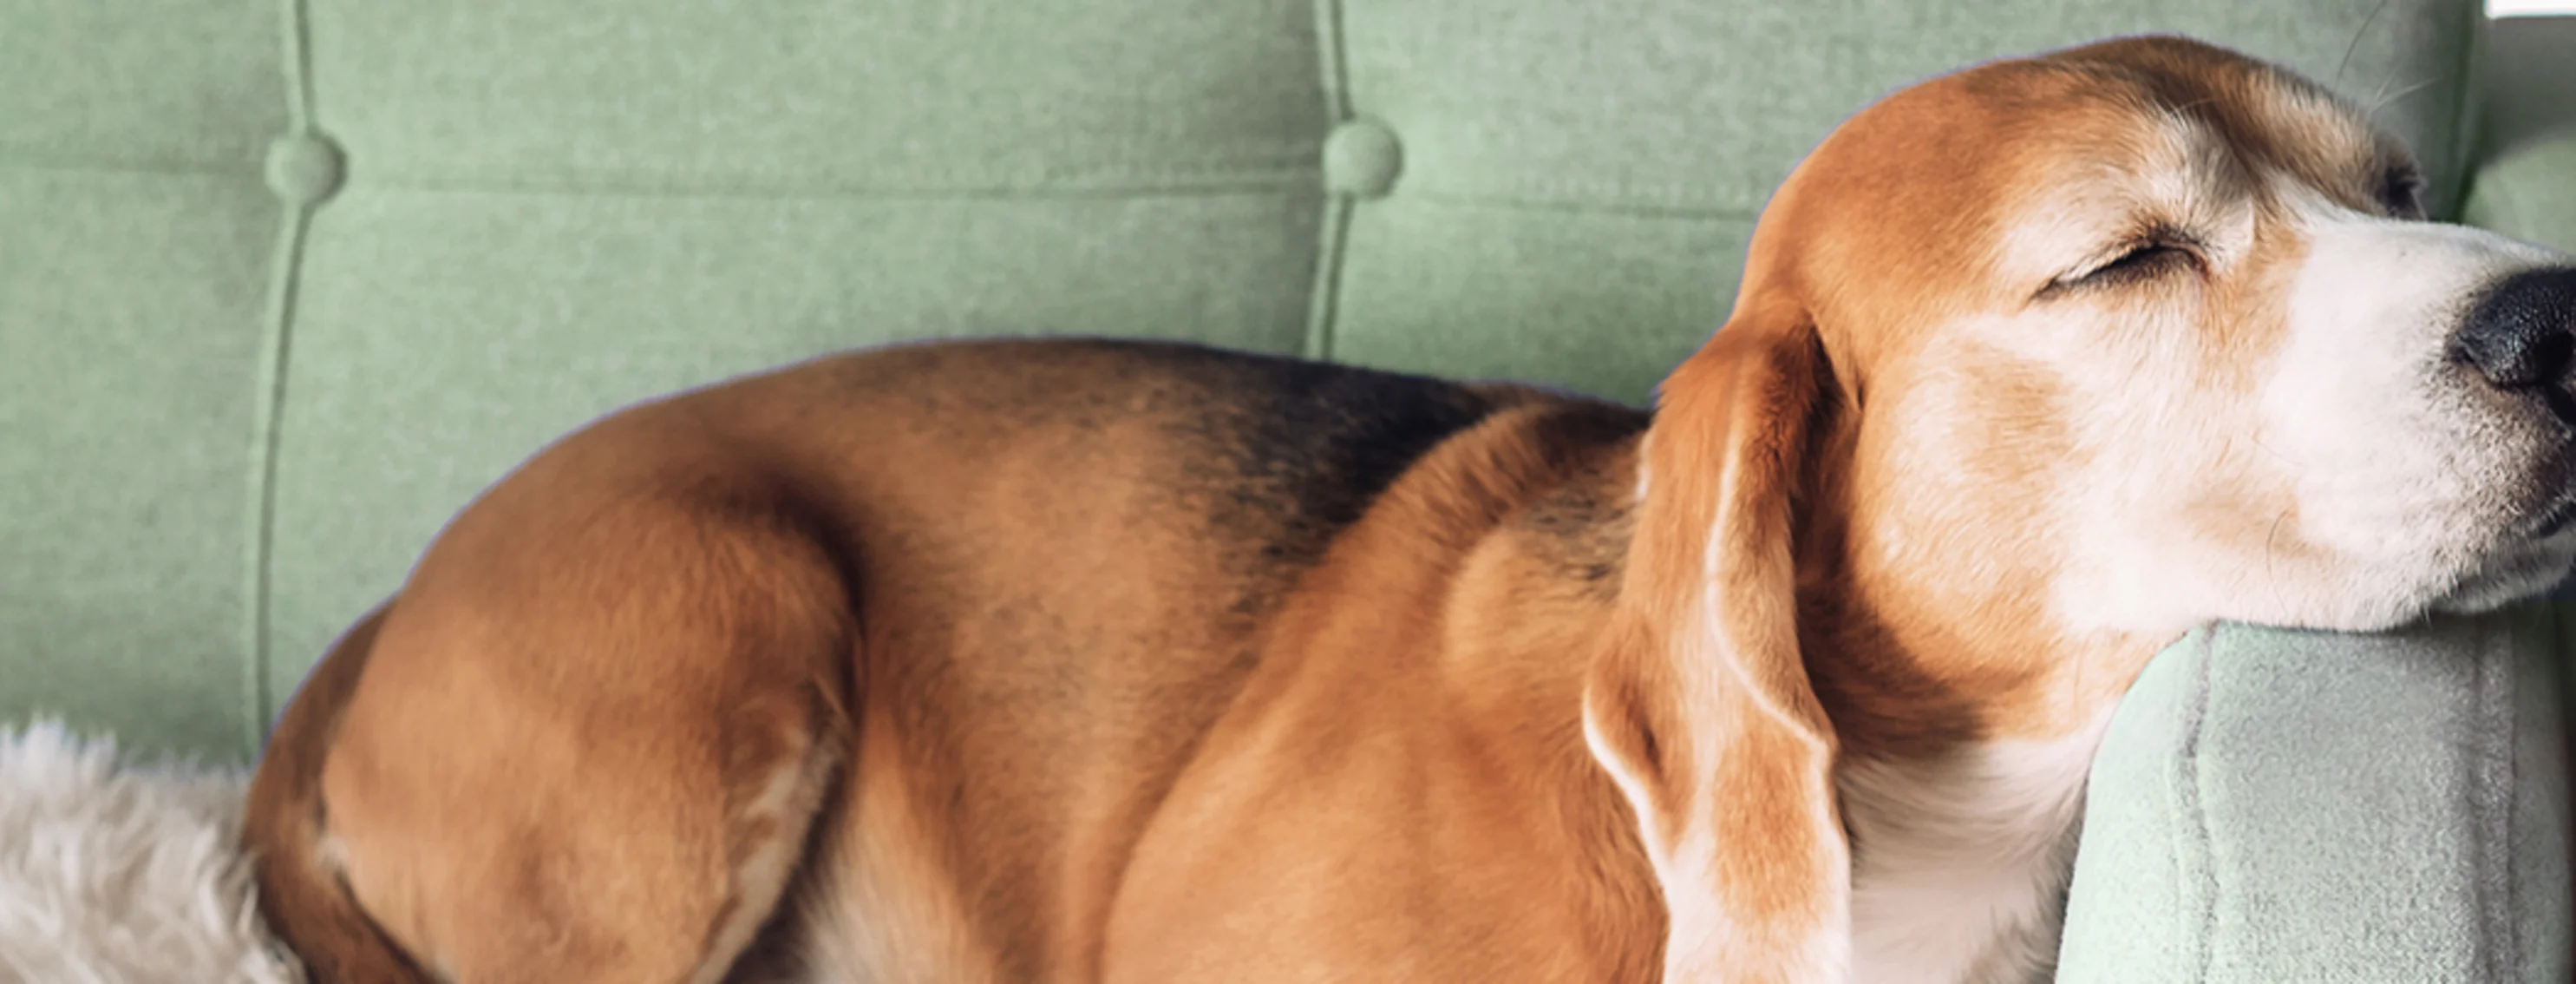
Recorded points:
(589,748)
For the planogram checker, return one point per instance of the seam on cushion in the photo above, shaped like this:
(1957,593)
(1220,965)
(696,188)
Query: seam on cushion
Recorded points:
(2491,793)
(1332,233)
(1580,192)
(1677,211)
(1332,60)
(1105,182)
(2467,110)
(166,166)
(285,269)
(299,64)
(1324,308)
(2200,922)
(263,472)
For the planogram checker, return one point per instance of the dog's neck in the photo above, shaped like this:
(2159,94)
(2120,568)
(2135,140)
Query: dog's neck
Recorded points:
(1960,862)
(1962,781)
(1901,687)
(1968,725)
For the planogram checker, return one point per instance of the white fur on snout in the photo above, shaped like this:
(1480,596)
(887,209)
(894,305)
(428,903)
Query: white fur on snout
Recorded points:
(2409,472)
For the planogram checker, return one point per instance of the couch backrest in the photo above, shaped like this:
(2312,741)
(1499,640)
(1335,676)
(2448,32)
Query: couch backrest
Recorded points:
(284,282)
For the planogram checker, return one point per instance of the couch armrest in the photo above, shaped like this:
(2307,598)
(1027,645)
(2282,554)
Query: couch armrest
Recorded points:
(2278,806)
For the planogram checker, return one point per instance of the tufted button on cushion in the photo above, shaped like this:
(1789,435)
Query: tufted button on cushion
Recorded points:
(1362,159)
(303,168)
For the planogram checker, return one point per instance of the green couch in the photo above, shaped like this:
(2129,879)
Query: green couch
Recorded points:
(284,282)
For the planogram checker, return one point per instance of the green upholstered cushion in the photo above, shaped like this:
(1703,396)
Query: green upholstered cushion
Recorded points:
(234,412)
(2281,806)
(136,257)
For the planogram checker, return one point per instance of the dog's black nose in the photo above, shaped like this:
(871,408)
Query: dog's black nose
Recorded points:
(2523,332)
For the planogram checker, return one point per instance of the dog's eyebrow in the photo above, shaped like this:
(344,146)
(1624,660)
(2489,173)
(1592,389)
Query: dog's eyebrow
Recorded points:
(2059,231)
(2079,217)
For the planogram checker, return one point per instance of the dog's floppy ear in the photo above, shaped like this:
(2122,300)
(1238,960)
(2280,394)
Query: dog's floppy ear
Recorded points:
(1698,704)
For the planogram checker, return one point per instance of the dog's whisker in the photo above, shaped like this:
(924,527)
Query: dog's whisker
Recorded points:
(2382,102)
(2358,34)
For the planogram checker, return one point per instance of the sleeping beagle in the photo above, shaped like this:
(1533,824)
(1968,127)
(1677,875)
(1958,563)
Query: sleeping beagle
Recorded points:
(1093,661)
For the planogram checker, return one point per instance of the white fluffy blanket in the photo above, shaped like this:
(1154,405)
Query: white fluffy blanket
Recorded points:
(122,873)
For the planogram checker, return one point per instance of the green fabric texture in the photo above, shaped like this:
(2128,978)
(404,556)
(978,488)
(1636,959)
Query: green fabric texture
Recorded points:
(135,261)
(488,221)
(2280,806)
(2525,180)
(283,283)
(2529,192)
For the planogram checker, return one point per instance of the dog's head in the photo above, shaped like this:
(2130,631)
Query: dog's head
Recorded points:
(2054,357)
(2154,334)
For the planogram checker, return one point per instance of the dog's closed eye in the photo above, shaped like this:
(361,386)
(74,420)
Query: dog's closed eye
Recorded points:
(2401,192)
(2149,257)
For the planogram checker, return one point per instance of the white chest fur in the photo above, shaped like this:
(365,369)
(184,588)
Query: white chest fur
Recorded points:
(1960,864)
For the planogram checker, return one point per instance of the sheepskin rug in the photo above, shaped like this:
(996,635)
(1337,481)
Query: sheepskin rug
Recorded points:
(117,872)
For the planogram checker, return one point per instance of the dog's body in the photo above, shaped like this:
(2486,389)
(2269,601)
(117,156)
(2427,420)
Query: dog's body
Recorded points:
(1091,661)
(1334,585)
